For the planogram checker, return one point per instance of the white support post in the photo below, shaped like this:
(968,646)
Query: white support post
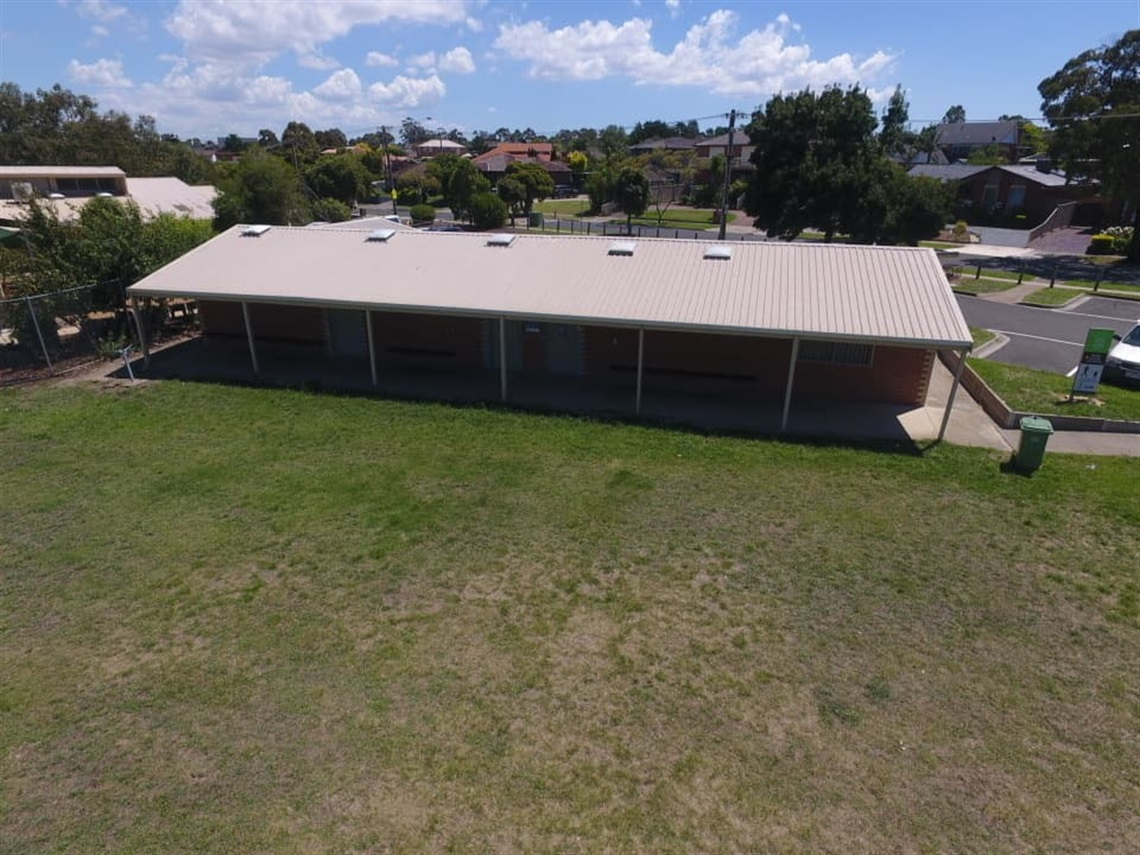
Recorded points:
(791,380)
(953,391)
(371,345)
(640,362)
(249,337)
(503,357)
(141,330)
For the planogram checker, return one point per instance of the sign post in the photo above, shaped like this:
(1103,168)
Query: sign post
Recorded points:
(1097,345)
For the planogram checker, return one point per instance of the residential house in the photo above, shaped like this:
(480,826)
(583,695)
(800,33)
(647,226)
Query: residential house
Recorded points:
(958,140)
(543,151)
(494,165)
(1019,194)
(434,148)
(69,188)
(666,143)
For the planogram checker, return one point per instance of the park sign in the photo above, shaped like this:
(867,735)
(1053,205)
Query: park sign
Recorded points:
(1097,345)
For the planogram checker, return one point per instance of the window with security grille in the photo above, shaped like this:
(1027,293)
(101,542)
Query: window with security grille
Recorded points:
(836,352)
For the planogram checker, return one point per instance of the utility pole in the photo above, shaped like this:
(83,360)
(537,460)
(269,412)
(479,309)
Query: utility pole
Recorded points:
(727,175)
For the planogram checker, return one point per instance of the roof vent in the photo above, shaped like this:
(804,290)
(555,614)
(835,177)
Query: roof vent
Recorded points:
(255,231)
(380,236)
(719,251)
(500,240)
(622,247)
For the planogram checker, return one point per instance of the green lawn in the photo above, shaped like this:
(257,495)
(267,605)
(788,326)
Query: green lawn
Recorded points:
(1111,286)
(970,285)
(247,620)
(1029,390)
(1049,297)
(679,218)
(991,273)
(981,336)
(564,208)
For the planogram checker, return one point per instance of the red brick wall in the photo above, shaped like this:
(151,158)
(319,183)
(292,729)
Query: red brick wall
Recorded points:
(270,322)
(897,375)
(688,361)
(405,340)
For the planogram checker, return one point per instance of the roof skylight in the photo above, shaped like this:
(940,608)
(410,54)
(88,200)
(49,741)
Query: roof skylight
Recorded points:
(380,236)
(622,247)
(255,231)
(500,240)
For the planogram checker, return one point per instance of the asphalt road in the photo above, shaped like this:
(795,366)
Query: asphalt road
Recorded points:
(1047,339)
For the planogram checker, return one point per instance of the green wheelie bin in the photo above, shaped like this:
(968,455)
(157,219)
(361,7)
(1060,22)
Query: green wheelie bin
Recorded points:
(1035,433)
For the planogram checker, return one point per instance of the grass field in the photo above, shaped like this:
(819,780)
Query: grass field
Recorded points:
(680,218)
(567,208)
(246,620)
(1050,297)
(1029,390)
(981,336)
(970,285)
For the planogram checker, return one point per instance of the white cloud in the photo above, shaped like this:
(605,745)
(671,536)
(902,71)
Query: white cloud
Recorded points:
(457,60)
(100,10)
(375,58)
(674,7)
(317,61)
(341,86)
(424,60)
(99,31)
(474,25)
(255,32)
(760,62)
(101,72)
(408,92)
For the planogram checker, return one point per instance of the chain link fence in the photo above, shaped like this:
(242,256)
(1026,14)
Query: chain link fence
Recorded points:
(54,333)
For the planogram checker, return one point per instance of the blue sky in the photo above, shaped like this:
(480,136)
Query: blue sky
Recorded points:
(206,68)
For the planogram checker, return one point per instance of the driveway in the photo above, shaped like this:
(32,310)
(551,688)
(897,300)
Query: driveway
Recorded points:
(1046,339)
(1018,238)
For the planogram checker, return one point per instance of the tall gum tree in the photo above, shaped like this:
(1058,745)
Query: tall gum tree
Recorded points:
(1093,106)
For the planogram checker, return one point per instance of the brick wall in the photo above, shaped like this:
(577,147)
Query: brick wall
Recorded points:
(696,362)
(897,375)
(270,322)
(437,342)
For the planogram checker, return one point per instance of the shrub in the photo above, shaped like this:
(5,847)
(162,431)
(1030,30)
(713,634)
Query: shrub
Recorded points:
(1102,244)
(423,213)
(331,211)
(961,230)
(408,196)
(1121,238)
(488,211)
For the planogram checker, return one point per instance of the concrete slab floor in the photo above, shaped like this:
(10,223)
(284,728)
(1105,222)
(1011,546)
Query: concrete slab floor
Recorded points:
(917,427)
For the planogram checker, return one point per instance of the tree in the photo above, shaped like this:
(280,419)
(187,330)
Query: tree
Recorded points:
(535,179)
(986,155)
(488,211)
(331,211)
(412,132)
(893,135)
(955,115)
(267,138)
(513,193)
(262,189)
(340,177)
(578,161)
(299,143)
(814,161)
(613,141)
(331,138)
(465,183)
(233,143)
(1092,105)
(632,192)
(442,168)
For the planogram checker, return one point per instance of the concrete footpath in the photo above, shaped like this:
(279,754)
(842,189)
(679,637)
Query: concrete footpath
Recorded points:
(969,425)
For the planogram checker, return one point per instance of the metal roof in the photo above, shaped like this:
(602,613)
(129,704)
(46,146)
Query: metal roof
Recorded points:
(945,172)
(17,172)
(977,133)
(1054,178)
(832,291)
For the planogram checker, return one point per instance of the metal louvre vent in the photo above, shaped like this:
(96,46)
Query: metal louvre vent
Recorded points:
(500,240)
(380,236)
(622,247)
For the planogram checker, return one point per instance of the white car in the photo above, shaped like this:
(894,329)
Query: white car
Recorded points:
(1123,362)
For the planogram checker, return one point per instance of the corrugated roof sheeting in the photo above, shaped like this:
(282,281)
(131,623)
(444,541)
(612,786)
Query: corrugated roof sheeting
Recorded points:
(885,294)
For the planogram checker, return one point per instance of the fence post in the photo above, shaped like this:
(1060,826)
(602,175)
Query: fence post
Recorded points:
(1099,276)
(978,272)
(1020,271)
(1053,277)
(39,335)
(676,233)
(588,225)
